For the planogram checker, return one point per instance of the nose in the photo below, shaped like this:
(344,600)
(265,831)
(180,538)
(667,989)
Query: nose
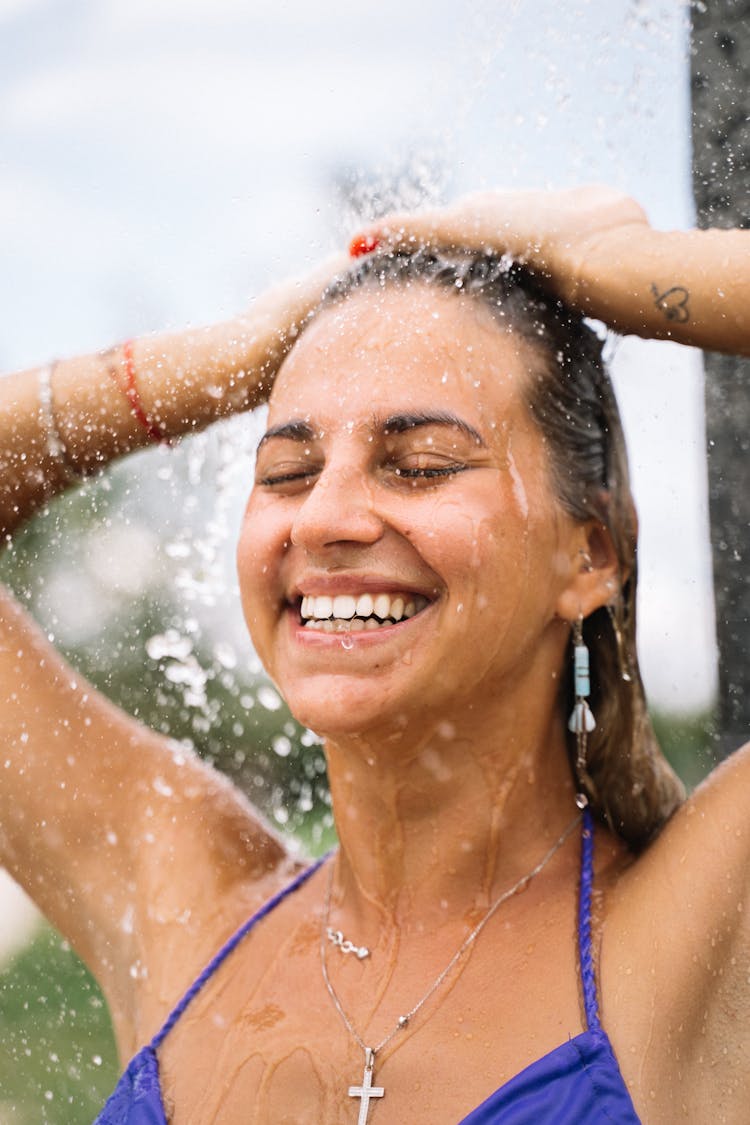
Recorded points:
(339,508)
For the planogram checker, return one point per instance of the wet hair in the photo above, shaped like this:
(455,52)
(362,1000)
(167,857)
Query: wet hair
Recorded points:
(628,781)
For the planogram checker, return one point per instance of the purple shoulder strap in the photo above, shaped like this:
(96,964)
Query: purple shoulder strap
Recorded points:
(227,948)
(588,977)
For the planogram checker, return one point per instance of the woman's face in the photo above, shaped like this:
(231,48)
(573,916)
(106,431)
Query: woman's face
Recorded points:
(402,552)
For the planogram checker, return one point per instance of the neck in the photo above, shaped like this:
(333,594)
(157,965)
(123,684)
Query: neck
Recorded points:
(436,824)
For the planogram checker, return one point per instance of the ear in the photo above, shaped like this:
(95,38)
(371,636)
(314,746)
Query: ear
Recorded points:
(595,575)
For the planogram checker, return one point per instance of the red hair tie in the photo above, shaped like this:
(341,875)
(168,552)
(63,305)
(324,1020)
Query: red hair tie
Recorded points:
(130,389)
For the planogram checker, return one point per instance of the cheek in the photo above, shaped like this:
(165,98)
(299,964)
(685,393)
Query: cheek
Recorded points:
(473,544)
(478,535)
(258,553)
(496,554)
(249,573)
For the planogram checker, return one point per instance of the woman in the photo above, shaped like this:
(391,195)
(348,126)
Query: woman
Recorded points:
(431,525)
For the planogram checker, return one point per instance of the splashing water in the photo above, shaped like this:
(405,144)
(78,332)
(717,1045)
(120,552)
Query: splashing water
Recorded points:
(202,685)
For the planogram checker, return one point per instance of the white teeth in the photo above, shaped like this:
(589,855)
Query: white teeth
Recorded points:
(322,606)
(345,611)
(344,606)
(324,626)
(364,606)
(382,606)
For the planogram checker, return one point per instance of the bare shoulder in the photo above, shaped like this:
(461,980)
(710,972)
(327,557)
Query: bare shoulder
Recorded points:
(676,952)
(203,859)
(114,830)
(703,851)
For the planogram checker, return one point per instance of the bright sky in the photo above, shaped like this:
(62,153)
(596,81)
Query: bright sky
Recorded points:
(161,160)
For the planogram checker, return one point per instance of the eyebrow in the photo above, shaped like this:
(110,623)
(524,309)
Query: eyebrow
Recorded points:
(296,430)
(299,430)
(401,423)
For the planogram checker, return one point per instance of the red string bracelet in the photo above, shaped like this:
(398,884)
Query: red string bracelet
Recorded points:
(130,390)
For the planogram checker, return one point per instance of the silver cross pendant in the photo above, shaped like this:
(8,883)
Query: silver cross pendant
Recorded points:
(366,1090)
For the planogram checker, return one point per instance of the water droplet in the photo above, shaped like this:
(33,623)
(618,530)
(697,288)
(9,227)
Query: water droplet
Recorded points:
(268,698)
(282,745)
(161,786)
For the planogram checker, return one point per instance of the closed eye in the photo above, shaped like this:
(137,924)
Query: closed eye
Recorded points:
(275,479)
(425,464)
(427,472)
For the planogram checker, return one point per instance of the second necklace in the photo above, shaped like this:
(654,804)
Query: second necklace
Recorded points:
(366,1091)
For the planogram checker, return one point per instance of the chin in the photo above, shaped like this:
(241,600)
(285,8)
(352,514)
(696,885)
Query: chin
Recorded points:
(336,709)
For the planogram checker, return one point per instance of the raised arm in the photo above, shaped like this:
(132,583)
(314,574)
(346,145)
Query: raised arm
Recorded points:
(595,248)
(82,413)
(115,831)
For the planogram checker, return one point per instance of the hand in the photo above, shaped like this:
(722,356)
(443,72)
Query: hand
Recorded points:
(277,316)
(550,231)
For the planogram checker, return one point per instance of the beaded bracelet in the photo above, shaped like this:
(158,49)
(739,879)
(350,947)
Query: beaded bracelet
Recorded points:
(130,389)
(56,447)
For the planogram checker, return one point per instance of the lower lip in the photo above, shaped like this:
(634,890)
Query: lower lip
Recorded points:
(359,639)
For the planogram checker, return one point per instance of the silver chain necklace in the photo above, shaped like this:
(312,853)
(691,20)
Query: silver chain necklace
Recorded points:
(366,1090)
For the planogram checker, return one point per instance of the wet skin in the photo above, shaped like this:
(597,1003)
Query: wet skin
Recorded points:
(447,762)
(400,458)
(448,770)
(444,738)
(348,498)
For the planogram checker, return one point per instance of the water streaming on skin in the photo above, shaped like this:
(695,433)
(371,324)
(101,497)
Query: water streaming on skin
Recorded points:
(519,491)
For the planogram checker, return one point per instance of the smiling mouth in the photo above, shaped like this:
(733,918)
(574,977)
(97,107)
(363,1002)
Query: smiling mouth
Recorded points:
(346,613)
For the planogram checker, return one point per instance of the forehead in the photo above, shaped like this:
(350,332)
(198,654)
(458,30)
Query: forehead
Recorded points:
(401,348)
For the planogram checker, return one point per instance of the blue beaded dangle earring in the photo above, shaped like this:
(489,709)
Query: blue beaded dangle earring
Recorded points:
(581,721)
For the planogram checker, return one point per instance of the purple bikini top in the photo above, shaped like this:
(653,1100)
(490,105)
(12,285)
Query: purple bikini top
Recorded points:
(578,1083)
